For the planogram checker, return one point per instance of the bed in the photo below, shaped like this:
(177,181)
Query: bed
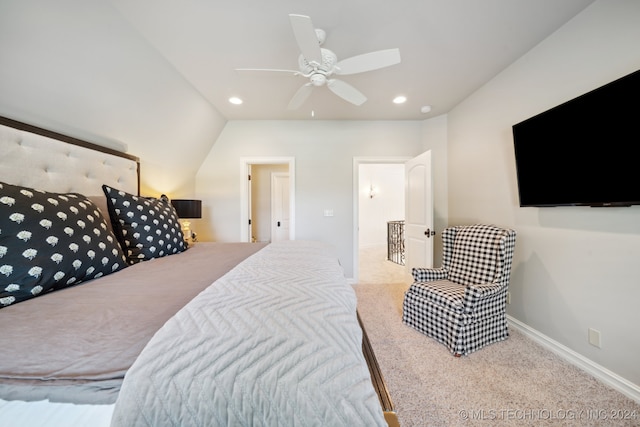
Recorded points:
(141,333)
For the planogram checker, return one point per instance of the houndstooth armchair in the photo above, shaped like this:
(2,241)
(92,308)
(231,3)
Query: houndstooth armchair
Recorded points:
(463,303)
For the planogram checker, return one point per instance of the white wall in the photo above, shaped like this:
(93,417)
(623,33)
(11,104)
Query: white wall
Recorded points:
(323,152)
(577,267)
(78,68)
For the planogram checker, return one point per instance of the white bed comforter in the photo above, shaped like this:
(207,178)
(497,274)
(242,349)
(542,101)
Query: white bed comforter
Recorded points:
(274,342)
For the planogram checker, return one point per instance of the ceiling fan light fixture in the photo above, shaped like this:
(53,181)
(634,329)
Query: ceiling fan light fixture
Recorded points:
(318,79)
(400,99)
(235,100)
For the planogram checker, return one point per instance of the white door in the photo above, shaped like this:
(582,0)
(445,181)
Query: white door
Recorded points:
(279,206)
(418,228)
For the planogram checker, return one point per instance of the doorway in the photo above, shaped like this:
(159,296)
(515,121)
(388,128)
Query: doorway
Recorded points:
(417,191)
(378,198)
(257,197)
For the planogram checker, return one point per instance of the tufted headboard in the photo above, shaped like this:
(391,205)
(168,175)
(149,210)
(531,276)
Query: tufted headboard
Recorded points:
(45,160)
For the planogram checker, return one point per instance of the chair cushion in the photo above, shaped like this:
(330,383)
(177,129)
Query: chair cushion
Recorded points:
(442,292)
(475,255)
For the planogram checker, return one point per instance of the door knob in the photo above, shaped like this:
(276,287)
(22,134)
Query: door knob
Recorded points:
(278,223)
(429,233)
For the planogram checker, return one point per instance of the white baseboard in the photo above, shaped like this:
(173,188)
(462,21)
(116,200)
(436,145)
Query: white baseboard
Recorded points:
(613,380)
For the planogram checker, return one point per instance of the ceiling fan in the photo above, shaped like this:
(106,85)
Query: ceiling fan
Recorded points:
(319,64)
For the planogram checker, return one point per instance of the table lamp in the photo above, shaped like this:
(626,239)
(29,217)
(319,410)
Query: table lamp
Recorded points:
(187,209)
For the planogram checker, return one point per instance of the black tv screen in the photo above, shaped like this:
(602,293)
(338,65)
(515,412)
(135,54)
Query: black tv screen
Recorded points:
(585,152)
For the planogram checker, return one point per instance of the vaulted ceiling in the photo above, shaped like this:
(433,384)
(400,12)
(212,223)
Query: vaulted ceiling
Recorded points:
(448,49)
(155,76)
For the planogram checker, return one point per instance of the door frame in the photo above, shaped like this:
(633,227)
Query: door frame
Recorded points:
(357,161)
(245,166)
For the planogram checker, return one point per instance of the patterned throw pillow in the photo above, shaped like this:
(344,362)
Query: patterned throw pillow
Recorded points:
(49,241)
(146,227)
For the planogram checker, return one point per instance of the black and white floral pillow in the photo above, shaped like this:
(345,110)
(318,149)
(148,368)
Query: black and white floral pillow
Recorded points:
(49,241)
(146,227)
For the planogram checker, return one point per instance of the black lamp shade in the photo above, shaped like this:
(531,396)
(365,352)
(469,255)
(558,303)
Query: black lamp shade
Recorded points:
(187,208)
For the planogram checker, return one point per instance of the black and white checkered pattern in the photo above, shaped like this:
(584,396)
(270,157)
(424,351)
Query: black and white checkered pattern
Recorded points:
(463,304)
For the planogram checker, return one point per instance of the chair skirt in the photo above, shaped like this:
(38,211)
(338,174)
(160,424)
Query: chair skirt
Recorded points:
(462,333)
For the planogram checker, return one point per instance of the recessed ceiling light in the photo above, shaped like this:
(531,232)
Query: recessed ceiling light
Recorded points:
(400,99)
(425,109)
(235,100)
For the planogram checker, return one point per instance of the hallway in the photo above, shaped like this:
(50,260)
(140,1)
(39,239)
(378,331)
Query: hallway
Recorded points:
(375,268)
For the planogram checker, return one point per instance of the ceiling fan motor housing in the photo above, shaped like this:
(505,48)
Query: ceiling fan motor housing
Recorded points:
(329,60)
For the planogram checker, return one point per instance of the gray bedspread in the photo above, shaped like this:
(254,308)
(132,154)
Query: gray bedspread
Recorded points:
(75,345)
(274,342)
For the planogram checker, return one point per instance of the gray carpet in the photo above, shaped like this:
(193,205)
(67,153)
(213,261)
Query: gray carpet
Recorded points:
(512,383)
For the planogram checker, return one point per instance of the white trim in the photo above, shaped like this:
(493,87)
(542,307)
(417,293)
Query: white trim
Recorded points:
(244,203)
(600,372)
(357,161)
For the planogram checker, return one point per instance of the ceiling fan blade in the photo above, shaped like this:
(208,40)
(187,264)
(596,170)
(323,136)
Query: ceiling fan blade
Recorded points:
(275,70)
(368,62)
(346,91)
(300,96)
(306,38)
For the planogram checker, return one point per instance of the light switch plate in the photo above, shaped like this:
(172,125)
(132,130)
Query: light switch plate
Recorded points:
(594,337)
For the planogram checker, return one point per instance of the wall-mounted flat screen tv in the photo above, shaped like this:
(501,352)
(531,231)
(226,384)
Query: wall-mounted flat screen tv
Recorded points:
(585,152)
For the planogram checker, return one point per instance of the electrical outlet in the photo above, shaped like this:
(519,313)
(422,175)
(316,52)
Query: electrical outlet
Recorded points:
(508,297)
(594,337)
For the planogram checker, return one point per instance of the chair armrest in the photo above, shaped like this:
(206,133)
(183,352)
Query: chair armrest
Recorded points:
(428,274)
(485,290)
(485,298)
